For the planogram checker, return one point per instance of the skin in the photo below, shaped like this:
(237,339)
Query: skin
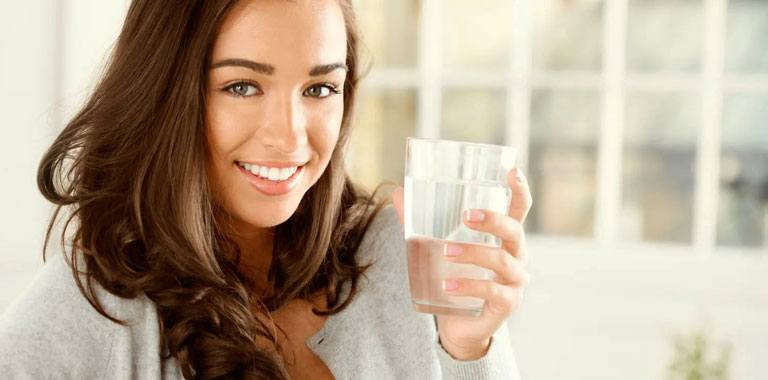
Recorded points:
(284,114)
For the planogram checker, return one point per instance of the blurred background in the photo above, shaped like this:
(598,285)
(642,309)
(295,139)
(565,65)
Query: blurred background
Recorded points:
(642,127)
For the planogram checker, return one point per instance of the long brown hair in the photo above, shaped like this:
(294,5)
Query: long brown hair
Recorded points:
(129,169)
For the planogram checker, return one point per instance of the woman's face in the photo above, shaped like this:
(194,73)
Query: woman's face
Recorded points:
(274,105)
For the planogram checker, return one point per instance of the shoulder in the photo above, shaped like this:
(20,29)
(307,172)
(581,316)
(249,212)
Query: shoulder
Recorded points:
(384,236)
(52,329)
(384,247)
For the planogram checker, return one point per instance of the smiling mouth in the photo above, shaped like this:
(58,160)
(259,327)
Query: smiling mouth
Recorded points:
(273,174)
(276,183)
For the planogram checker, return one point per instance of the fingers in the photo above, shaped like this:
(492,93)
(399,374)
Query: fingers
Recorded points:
(508,269)
(521,201)
(397,201)
(509,230)
(501,299)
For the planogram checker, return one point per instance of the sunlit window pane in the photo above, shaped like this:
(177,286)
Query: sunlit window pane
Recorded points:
(664,35)
(475,115)
(390,31)
(743,211)
(377,150)
(562,162)
(659,166)
(568,34)
(661,127)
(745,42)
(476,33)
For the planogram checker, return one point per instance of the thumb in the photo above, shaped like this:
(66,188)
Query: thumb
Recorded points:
(397,201)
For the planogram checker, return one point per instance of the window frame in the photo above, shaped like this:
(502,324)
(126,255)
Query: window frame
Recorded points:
(613,82)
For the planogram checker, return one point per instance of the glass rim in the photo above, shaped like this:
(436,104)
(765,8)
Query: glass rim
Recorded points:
(455,142)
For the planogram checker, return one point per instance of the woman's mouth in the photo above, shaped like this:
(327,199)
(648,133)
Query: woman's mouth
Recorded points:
(271,180)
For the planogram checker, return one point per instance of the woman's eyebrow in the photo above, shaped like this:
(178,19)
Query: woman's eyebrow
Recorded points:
(255,66)
(268,69)
(325,69)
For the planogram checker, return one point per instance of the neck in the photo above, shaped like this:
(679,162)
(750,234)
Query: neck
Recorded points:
(255,255)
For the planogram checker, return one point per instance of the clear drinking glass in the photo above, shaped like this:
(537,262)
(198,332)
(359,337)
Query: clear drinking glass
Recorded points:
(443,179)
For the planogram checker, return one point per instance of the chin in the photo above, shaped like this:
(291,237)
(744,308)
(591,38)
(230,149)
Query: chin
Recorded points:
(274,219)
(269,214)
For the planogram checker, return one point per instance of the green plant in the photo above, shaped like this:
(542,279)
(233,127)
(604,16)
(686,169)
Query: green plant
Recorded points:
(697,358)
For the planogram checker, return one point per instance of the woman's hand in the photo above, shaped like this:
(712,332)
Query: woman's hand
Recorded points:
(468,338)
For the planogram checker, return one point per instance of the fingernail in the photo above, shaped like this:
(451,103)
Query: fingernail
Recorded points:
(452,250)
(520,176)
(475,216)
(449,285)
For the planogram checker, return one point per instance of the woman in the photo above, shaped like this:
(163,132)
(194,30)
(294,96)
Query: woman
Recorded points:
(216,233)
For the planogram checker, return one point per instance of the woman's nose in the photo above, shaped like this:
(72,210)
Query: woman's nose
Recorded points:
(283,126)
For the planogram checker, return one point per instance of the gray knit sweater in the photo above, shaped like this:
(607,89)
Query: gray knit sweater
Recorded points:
(52,332)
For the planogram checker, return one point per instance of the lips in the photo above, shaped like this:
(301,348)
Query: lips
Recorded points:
(269,187)
(274,173)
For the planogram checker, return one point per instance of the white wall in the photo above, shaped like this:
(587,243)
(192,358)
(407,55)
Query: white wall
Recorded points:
(50,53)
(610,313)
(28,84)
(590,313)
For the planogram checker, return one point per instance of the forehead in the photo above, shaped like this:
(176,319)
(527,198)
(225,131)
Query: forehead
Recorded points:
(283,33)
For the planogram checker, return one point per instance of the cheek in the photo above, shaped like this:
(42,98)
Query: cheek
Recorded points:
(326,134)
(323,141)
(223,130)
(222,138)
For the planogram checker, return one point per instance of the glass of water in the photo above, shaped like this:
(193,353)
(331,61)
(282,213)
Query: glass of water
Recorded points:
(444,179)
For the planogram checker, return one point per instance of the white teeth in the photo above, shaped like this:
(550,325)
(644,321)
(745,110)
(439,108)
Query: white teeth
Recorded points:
(273,174)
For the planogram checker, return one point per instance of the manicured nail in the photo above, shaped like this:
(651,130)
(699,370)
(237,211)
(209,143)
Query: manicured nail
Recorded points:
(520,176)
(475,216)
(449,285)
(452,250)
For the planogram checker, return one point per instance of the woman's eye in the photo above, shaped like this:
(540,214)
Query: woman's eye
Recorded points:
(242,89)
(321,91)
